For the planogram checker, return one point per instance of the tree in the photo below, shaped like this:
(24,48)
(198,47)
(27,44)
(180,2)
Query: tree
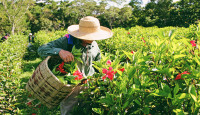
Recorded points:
(125,16)
(111,16)
(79,9)
(4,24)
(15,11)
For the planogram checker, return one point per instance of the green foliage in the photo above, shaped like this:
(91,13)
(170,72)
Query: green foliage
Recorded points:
(147,85)
(15,10)
(16,67)
(11,56)
(59,15)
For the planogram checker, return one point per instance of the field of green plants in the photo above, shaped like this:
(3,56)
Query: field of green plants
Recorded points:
(142,71)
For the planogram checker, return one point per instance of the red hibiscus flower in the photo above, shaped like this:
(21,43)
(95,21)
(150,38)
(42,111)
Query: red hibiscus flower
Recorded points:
(193,43)
(179,75)
(132,52)
(109,73)
(122,69)
(78,74)
(104,70)
(29,103)
(60,68)
(33,114)
(104,77)
(108,62)
(128,33)
(185,72)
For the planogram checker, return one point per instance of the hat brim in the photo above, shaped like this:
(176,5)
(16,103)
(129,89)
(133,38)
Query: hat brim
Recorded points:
(101,34)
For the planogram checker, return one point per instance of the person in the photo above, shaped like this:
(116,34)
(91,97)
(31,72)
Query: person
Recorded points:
(82,36)
(30,40)
(5,37)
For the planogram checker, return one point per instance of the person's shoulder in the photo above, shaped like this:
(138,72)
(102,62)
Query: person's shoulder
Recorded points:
(94,43)
(63,38)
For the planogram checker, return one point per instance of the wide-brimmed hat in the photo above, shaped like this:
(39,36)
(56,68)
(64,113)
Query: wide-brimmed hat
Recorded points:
(89,29)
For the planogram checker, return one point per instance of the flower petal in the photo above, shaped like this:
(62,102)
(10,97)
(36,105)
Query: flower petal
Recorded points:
(104,70)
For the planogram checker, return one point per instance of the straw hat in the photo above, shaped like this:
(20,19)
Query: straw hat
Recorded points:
(89,29)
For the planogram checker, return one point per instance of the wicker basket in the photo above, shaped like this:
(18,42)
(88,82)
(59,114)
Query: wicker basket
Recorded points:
(46,87)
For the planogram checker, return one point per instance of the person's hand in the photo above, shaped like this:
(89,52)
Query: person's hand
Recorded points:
(66,56)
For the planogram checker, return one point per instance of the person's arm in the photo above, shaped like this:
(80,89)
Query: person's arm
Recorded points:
(56,47)
(53,47)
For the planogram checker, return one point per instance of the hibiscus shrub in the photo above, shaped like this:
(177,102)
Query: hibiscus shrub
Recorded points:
(162,76)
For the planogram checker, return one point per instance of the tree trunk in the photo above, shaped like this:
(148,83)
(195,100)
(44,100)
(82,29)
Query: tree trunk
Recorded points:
(13,29)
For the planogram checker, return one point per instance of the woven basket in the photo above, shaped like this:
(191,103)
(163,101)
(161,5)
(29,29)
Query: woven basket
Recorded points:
(46,87)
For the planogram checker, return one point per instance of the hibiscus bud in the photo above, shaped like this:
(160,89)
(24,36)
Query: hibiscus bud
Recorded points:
(108,62)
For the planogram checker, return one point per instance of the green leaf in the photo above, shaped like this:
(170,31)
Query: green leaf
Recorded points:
(176,89)
(107,101)
(182,96)
(197,60)
(125,105)
(178,111)
(179,56)
(131,72)
(137,102)
(129,55)
(137,81)
(166,89)
(192,90)
(119,72)
(193,97)
(146,110)
(97,110)
(79,59)
(172,34)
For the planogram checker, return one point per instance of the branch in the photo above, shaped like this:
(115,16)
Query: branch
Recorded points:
(5,8)
(24,12)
